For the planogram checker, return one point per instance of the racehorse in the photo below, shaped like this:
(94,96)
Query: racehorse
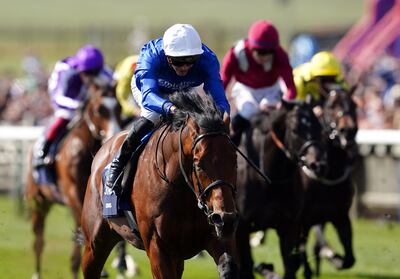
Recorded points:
(98,120)
(329,197)
(182,194)
(284,144)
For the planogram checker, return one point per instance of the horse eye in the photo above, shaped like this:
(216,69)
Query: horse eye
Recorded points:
(103,111)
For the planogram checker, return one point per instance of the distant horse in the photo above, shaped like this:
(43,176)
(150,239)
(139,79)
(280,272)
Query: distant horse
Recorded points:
(283,144)
(329,197)
(99,120)
(182,194)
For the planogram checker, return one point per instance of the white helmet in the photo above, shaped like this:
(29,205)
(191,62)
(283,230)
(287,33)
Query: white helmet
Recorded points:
(182,40)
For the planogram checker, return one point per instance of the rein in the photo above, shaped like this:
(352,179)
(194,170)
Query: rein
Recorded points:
(327,181)
(298,158)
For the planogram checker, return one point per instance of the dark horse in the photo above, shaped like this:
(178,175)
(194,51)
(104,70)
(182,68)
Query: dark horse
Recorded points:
(183,194)
(99,119)
(284,144)
(329,197)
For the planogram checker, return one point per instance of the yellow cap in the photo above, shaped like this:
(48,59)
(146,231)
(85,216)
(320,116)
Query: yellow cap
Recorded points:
(324,63)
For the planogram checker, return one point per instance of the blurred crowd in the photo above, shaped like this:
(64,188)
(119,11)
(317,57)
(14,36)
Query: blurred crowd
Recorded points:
(378,95)
(24,100)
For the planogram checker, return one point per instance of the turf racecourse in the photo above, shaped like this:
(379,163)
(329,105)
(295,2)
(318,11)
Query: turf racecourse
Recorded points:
(377,247)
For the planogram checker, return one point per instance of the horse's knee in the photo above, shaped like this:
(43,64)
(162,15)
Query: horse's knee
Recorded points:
(227,267)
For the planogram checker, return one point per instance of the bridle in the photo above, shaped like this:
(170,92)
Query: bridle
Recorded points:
(96,134)
(189,182)
(298,157)
(331,123)
(202,191)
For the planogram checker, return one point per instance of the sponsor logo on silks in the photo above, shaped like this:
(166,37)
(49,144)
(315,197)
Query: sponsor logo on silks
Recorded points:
(108,205)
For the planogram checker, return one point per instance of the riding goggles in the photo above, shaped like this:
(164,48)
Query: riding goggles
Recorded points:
(183,60)
(263,51)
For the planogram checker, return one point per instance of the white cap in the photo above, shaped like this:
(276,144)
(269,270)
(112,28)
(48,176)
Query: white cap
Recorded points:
(182,40)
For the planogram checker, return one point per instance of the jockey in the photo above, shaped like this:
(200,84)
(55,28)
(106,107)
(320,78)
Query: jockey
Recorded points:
(317,77)
(177,61)
(123,75)
(257,63)
(67,86)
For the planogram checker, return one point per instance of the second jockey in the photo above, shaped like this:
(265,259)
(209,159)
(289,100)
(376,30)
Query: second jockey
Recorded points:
(256,65)
(177,61)
(68,86)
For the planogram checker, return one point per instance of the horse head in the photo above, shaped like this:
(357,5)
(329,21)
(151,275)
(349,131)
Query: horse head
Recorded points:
(340,118)
(207,158)
(101,111)
(297,131)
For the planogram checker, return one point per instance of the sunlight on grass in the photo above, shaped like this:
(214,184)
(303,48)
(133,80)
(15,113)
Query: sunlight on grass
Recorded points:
(377,248)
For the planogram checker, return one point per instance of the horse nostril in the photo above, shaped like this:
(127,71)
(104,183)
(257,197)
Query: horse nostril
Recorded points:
(216,219)
(314,166)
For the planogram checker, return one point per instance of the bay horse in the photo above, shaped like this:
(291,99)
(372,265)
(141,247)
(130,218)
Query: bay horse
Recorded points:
(284,143)
(329,197)
(182,194)
(99,119)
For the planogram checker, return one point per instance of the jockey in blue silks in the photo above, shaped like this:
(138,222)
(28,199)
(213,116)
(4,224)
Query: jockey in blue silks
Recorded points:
(176,62)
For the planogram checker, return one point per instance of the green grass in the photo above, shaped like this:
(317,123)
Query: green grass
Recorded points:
(53,29)
(377,247)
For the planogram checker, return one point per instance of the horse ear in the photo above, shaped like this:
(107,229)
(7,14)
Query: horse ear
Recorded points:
(227,120)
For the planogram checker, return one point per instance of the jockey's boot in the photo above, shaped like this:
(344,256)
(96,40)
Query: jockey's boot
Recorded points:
(40,152)
(113,190)
(239,124)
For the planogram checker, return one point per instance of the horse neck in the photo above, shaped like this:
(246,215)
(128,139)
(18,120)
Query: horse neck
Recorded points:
(276,163)
(82,131)
(338,159)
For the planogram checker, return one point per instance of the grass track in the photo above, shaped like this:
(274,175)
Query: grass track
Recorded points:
(377,247)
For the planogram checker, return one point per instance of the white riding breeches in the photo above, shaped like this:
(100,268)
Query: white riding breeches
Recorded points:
(248,99)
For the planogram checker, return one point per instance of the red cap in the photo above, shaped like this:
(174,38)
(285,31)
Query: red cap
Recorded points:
(263,35)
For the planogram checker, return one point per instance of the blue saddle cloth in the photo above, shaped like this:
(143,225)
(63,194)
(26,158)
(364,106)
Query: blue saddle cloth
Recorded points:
(114,206)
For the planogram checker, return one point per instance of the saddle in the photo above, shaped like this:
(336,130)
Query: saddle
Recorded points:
(123,206)
(44,172)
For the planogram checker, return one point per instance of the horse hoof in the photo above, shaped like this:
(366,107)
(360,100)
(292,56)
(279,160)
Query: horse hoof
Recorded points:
(132,268)
(267,271)
(337,261)
(104,274)
(36,276)
(348,262)
(257,239)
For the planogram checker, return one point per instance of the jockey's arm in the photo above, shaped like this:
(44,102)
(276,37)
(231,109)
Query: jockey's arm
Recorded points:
(214,85)
(146,80)
(286,72)
(147,84)
(229,64)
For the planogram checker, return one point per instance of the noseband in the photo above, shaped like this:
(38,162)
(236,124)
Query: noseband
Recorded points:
(201,193)
(299,156)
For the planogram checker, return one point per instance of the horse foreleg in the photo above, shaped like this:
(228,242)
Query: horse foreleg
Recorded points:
(76,255)
(289,241)
(95,256)
(125,262)
(163,265)
(39,214)
(223,254)
(320,243)
(344,230)
(307,272)
(244,251)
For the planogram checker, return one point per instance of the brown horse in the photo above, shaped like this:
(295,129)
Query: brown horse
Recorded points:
(99,120)
(329,197)
(284,144)
(182,194)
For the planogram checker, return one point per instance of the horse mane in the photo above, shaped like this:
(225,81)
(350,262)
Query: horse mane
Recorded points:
(200,107)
